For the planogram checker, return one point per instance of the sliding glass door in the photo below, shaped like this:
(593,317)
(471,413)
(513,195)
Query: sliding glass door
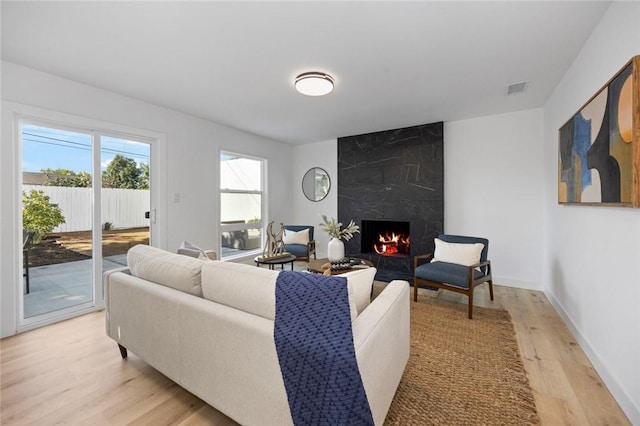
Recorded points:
(85,201)
(57,219)
(125,198)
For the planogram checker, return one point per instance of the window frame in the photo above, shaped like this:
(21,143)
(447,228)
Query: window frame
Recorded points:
(13,116)
(228,227)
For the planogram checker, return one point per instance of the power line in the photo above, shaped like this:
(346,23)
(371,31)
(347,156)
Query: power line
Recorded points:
(57,139)
(86,148)
(81,146)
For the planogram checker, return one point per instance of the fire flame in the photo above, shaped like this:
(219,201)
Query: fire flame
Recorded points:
(392,244)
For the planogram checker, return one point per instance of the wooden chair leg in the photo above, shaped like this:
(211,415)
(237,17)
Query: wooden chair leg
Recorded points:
(415,290)
(26,273)
(491,289)
(471,303)
(123,351)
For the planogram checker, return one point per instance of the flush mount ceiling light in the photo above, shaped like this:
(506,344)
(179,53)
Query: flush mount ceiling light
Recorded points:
(314,83)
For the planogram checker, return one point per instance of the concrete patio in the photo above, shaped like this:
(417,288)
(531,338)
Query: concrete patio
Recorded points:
(60,286)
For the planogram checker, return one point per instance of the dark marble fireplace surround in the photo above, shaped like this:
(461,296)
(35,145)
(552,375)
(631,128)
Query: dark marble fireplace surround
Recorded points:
(394,175)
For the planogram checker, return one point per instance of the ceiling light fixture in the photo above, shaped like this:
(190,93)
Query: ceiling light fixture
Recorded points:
(314,83)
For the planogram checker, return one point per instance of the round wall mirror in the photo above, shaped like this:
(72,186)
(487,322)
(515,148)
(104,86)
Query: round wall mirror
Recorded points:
(316,184)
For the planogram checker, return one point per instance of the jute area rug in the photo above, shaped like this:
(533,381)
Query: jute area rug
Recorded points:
(461,371)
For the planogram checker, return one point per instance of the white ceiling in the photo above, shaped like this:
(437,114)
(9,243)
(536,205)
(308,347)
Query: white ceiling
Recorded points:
(395,64)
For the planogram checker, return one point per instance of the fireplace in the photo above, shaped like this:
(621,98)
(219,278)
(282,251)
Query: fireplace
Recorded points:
(388,176)
(385,237)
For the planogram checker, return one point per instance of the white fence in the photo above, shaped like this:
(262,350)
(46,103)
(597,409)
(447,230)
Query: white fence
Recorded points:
(124,208)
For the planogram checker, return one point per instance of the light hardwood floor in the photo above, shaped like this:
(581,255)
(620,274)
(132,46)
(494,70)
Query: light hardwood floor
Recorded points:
(72,373)
(566,387)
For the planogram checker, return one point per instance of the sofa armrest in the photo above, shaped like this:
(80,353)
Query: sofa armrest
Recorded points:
(381,339)
(106,281)
(417,260)
(110,272)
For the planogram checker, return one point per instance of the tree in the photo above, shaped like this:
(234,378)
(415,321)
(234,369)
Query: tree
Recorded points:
(58,171)
(69,178)
(144,176)
(39,214)
(122,172)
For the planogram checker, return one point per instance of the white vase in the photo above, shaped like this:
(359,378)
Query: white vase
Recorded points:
(335,250)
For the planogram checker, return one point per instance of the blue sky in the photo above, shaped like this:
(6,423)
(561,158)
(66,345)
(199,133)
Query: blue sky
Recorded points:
(48,148)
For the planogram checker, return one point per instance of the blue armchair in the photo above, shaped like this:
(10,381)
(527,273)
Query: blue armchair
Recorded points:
(302,250)
(453,276)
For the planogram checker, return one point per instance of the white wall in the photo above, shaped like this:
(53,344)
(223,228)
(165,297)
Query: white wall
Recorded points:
(320,154)
(592,254)
(493,189)
(192,163)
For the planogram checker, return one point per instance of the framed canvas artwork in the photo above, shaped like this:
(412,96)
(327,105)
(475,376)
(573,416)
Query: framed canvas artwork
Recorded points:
(599,147)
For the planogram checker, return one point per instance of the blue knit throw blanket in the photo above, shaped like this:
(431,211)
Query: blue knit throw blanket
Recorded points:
(314,342)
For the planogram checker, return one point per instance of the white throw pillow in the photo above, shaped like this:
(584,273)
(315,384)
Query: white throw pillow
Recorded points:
(459,253)
(361,282)
(188,249)
(293,237)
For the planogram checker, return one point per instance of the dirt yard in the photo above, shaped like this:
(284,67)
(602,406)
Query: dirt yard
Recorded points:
(71,246)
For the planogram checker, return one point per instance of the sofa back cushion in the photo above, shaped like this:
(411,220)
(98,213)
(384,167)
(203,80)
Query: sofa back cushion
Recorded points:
(253,290)
(169,269)
(239,286)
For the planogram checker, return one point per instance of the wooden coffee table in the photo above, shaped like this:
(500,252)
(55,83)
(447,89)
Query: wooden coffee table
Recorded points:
(316,266)
(277,261)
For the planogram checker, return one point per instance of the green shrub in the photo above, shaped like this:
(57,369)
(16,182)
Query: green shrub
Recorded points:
(39,214)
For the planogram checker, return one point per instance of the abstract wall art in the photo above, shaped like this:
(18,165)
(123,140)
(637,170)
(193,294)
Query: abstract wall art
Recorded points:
(599,147)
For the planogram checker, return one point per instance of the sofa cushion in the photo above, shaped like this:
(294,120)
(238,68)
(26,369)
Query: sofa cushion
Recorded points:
(239,286)
(448,273)
(296,249)
(252,289)
(165,268)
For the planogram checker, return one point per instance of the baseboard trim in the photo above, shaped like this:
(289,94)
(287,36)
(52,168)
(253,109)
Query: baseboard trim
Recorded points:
(624,401)
(514,282)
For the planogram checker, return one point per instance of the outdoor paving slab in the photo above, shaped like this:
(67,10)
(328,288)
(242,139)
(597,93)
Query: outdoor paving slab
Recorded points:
(55,287)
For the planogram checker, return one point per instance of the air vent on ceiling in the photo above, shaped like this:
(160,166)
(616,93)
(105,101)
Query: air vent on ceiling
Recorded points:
(516,88)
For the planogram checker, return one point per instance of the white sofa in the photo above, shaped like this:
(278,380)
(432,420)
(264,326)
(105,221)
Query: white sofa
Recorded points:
(208,326)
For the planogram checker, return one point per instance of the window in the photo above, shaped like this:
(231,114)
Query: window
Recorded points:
(241,204)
